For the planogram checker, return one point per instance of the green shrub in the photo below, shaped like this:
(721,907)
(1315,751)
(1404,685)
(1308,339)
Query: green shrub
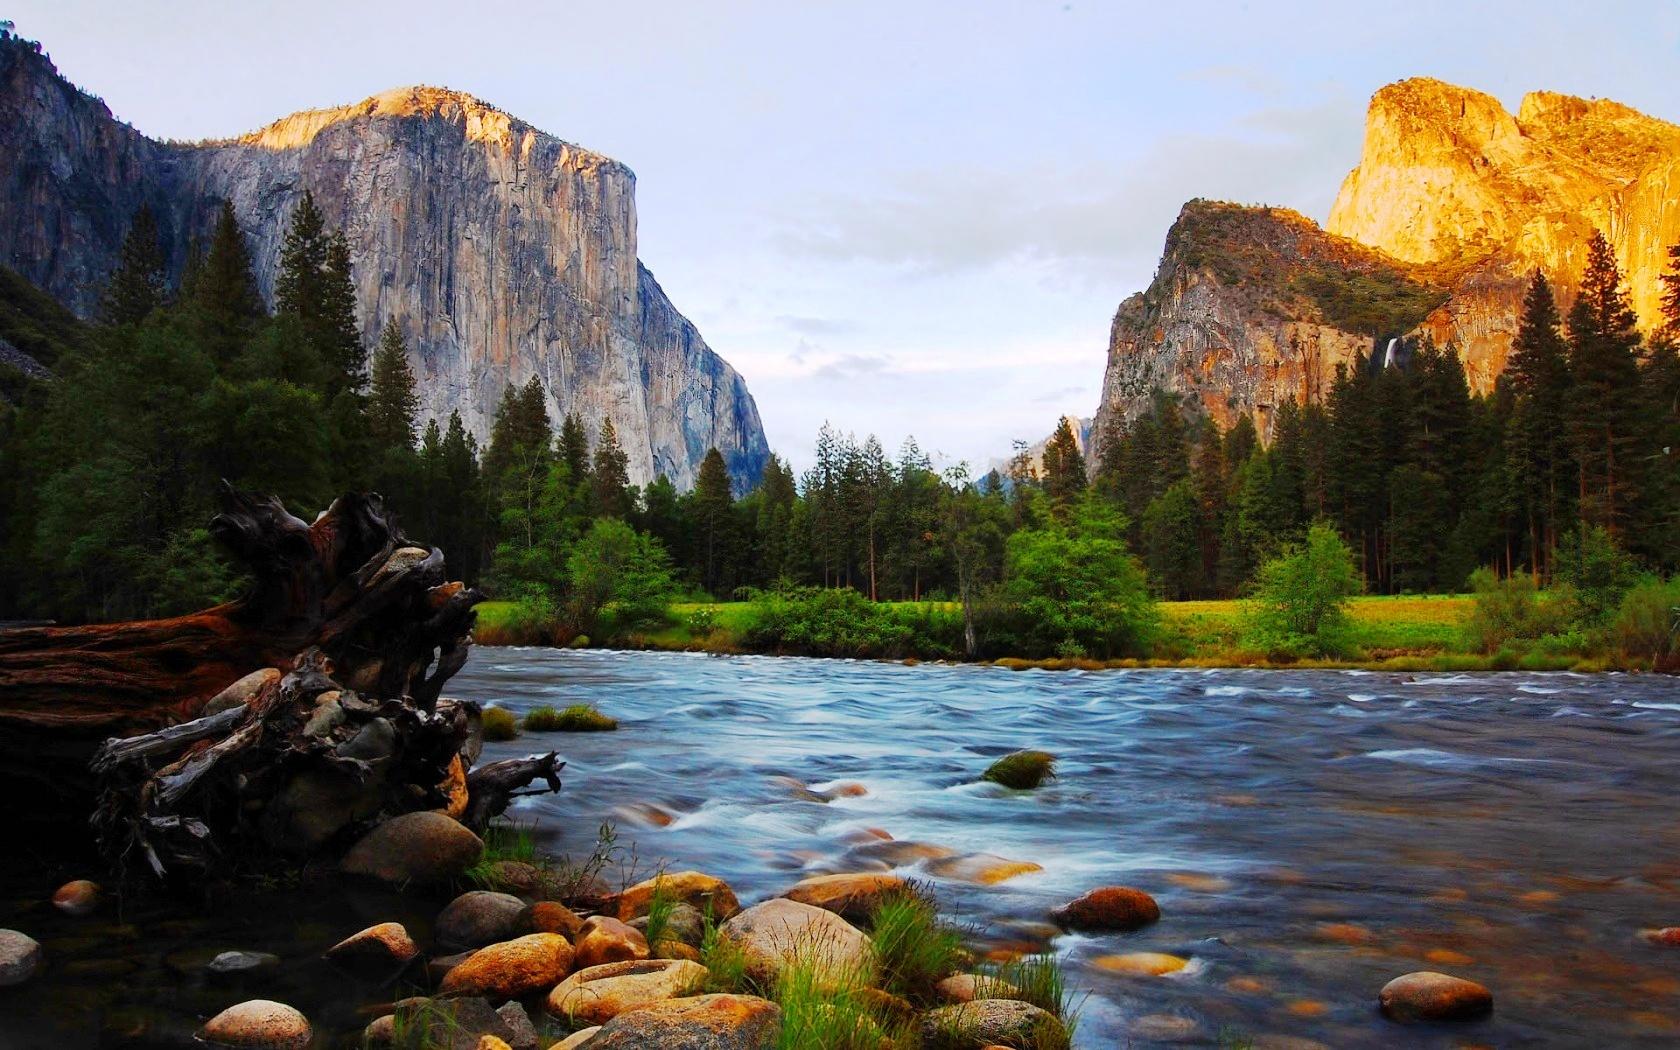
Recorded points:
(1301,597)
(1647,623)
(499,724)
(1072,586)
(615,568)
(702,621)
(1594,573)
(913,949)
(578,718)
(1022,770)
(1507,610)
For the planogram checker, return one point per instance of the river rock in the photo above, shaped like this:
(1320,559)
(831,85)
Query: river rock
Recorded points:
(986,869)
(552,917)
(259,1024)
(1141,964)
(524,1035)
(778,932)
(228,964)
(422,847)
(449,1024)
(852,897)
(78,897)
(683,923)
(690,887)
(700,1022)
(511,969)
(967,987)
(600,993)
(241,692)
(490,1042)
(1430,996)
(983,1022)
(20,956)
(480,917)
(516,876)
(376,954)
(1108,908)
(892,853)
(603,940)
(577,1039)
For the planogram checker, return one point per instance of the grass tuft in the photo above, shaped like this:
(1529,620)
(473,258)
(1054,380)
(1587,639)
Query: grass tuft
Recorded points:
(819,1013)
(1023,770)
(1038,979)
(578,718)
(725,963)
(499,724)
(913,949)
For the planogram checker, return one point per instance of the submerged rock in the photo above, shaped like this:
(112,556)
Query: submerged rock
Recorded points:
(421,847)
(20,957)
(511,969)
(1108,908)
(600,993)
(260,1024)
(78,897)
(984,1022)
(701,1022)
(376,954)
(985,869)
(228,964)
(480,917)
(1141,964)
(605,940)
(779,933)
(1430,996)
(689,887)
(1022,770)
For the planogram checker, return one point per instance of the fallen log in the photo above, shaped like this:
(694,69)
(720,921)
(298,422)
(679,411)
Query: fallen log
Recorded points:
(278,725)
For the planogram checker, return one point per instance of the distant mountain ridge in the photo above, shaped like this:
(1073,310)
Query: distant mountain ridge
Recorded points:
(1453,203)
(504,253)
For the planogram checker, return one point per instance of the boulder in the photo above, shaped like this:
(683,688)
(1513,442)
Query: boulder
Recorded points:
(480,917)
(577,1039)
(451,1024)
(606,940)
(701,1022)
(780,932)
(421,847)
(690,887)
(1430,996)
(78,897)
(967,987)
(440,965)
(511,969)
(259,1024)
(20,956)
(552,917)
(986,869)
(376,954)
(230,964)
(1108,908)
(852,897)
(600,993)
(683,922)
(983,1022)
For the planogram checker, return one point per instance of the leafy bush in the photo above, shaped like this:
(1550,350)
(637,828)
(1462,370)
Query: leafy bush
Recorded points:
(1595,573)
(578,718)
(817,621)
(1507,610)
(1647,623)
(614,565)
(702,621)
(1301,596)
(499,724)
(1074,589)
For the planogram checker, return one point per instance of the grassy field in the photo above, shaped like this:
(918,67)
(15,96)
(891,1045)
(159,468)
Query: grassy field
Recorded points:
(1410,632)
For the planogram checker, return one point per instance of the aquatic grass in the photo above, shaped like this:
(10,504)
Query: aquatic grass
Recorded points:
(499,724)
(1038,979)
(1022,770)
(578,718)
(913,949)
(505,841)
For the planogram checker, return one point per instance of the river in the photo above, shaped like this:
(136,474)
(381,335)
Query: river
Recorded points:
(1309,836)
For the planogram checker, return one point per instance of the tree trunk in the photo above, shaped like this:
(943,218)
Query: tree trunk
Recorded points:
(275,724)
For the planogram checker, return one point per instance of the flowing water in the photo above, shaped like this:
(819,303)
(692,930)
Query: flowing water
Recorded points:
(1309,835)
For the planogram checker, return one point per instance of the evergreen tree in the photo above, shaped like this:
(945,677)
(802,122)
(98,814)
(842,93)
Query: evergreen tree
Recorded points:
(1536,449)
(340,338)
(1064,464)
(136,287)
(713,517)
(393,406)
(298,288)
(314,286)
(1671,296)
(225,306)
(610,474)
(1171,546)
(1604,372)
(574,447)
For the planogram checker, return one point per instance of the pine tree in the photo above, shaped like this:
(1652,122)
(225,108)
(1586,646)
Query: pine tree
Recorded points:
(226,308)
(1064,464)
(610,474)
(303,259)
(136,287)
(393,406)
(1603,366)
(340,337)
(1536,451)
(714,506)
(1671,296)
(315,287)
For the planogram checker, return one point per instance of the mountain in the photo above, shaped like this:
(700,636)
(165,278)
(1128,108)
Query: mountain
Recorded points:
(502,251)
(1453,203)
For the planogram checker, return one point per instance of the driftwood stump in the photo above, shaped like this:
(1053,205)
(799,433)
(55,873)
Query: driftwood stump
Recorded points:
(275,726)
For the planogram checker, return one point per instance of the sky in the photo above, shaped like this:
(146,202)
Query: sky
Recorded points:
(904,218)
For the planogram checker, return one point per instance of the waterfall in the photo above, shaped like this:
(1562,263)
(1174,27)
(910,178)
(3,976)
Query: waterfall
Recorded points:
(1388,354)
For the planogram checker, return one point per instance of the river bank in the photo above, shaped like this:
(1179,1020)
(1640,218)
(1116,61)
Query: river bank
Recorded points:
(1400,633)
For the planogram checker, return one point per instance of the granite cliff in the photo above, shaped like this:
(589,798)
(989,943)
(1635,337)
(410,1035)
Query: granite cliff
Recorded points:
(1453,203)
(502,251)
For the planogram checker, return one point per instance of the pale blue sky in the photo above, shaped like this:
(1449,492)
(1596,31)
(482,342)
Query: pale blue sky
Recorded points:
(901,217)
